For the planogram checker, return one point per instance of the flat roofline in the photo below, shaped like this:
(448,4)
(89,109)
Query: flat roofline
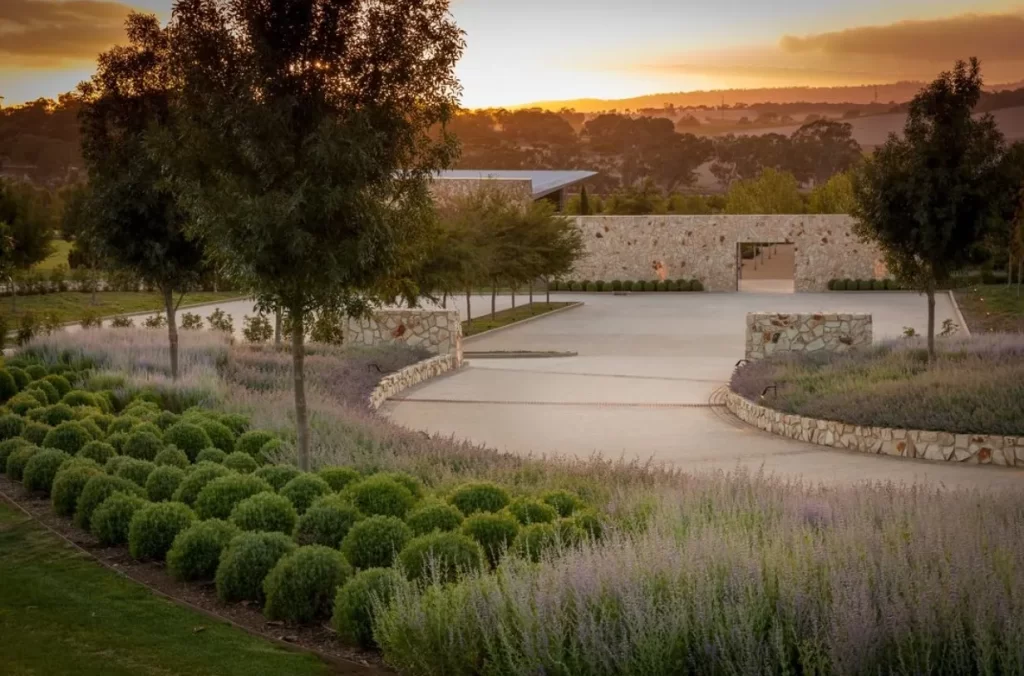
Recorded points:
(543,182)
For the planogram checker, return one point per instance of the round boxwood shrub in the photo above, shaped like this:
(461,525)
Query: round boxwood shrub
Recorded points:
(242,463)
(211,455)
(17,460)
(79,398)
(197,550)
(616,285)
(235,422)
(482,496)
(188,437)
(36,371)
(338,477)
(117,462)
(68,436)
(414,485)
(123,424)
(374,542)
(326,522)
(252,442)
(53,415)
(11,426)
(353,606)
(163,481)
(21,404)
(304,490)
(221,435)
(272,451)
(696,285)
(98,489)
(440,556)
(171,456)
(101,420)
(564,502)
(111,519)
(196,480)
(627,285)
(265,512)
(278,475)
(99,451)
(246,562)
(534,540)
(8,386)
(117,440)
(21,379)
(154,527)
(302,586)
(142,445)
(69,483)
(380,495)
(9,446)
(600,286)
(166,418)
(219,497)
(589,523)
(40,396)
(436,516)
(135,470)
(530,510)
(494,532)
(41,469)
(60,383)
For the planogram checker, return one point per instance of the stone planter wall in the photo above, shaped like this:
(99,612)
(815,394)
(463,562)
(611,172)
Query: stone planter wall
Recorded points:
(392,384)
(437,331)
(984,449)
(769,333)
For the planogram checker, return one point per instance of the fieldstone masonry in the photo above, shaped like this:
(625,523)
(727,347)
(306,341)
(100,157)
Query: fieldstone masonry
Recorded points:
(983,449)
(705,248)
(437,331)
(393,383)
(769,333)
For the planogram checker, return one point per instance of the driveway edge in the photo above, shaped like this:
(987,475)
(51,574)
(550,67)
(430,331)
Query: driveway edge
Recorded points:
(521,322)
(959,315)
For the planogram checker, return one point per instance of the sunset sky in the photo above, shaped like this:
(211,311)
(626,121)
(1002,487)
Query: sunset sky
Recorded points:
(529,50)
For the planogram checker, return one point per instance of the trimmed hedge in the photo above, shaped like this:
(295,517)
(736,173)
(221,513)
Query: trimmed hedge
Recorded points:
(353,606)
(302,586)
(246,562)
(11,426)
(219,497)
(265,512)
(154,527)
(196,551)
(677,285)
(376,541)
(864,285)
(163,482)
(111,520)
(440,556)
(327,522)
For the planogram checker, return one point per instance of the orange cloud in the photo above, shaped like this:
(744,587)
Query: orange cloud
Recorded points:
(44,34)
(994,37)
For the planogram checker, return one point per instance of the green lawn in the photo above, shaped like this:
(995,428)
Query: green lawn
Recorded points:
(61,248)
(995,308)
(506,317)
(72,306)
(61,613)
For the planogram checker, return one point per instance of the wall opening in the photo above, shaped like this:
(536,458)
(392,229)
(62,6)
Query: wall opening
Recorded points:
(766,267)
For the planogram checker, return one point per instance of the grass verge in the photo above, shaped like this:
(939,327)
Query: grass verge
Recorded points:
(72,306)
(62,614)
(509,316)
(992,309)
(57,257)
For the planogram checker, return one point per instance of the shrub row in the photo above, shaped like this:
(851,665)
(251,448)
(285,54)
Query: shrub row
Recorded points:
(864,285)
(617,285)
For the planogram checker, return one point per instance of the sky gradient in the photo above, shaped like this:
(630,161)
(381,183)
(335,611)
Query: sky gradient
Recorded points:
(529,50)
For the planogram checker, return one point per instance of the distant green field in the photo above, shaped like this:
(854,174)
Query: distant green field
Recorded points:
(61,249)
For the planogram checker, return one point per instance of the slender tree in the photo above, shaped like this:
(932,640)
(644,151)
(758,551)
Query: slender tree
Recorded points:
(927,197)
(306,145)
(584,202)
(136,221)
(28,231)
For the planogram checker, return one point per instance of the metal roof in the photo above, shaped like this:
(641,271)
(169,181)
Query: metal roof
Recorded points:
(543,182)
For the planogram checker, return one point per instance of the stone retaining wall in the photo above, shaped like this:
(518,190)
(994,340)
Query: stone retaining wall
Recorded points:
(770,332)
(984,449)
(392,384)
(705,248)
(437,331)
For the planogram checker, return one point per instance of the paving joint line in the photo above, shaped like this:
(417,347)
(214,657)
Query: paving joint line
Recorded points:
(604,375)
(579,404)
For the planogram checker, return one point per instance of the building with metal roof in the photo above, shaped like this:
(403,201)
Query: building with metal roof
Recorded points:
(537,184)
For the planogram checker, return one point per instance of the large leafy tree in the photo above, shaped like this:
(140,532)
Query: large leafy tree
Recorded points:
(133,218)
(822,149)
(927,197)
(27,230)
(306,144)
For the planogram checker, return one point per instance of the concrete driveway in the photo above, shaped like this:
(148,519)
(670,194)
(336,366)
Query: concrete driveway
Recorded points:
(643,387)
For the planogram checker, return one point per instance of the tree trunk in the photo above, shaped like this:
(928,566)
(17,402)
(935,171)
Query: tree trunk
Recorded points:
(14,295)
(444,301)
(469,306)
(298,372)
(494,298)
(172,330)
(1009,270)
(277,326)
(513,298)
(1020,273)
(931,319)
(547,289)
(531,296)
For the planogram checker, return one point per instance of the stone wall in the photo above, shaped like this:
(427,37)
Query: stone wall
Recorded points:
(984,449)
(705,248)
(444,190)
(437,331)
(392,384)
(769,333)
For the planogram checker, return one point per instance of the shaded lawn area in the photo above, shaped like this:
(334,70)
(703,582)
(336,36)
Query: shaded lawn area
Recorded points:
(73,306)
(59,256)
(61,613)
(509,316)
(992,309)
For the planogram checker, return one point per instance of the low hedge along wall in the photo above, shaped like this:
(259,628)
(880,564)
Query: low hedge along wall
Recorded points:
(864,285)
(628,285)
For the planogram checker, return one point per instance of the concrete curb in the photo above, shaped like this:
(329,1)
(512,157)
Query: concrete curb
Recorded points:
(410,376)
(497,354)
(513,325)
(959,315)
